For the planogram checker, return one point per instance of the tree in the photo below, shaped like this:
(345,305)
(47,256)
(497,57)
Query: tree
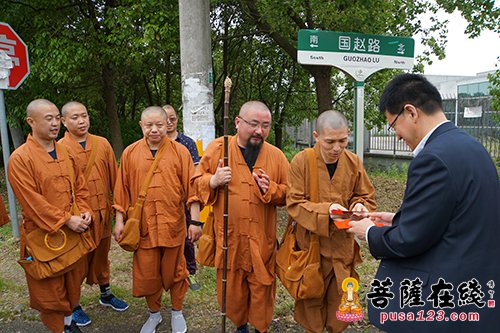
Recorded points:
(114,56)
(495,92)
(259,70)
(282,20)
(119,56)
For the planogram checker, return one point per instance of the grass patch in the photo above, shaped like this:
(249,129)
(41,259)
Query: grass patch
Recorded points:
(394,171)
(6,232)
(9,286)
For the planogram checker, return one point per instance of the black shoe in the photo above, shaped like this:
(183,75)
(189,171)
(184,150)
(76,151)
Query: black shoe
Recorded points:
(73,328)
(242,329)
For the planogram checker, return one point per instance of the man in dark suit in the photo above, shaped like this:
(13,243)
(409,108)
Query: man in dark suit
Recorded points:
(439,269)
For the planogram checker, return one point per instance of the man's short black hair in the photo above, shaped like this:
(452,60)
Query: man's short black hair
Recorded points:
(412,89)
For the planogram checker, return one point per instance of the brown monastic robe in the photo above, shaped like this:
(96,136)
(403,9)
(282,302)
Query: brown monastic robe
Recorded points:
(350,185)
(42,187)
(252,215)
(100,182)
(163,223)
(4,216)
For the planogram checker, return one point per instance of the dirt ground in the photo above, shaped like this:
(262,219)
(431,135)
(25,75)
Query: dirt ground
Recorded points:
(200,308)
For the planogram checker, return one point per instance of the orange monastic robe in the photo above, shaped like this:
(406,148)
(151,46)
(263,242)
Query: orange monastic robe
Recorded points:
(252,222)
(42,187)
(163,224)
(339,251)
(100,182)
(4,216)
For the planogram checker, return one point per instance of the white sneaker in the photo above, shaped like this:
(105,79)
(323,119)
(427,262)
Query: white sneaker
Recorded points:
(150,324)
(178,322)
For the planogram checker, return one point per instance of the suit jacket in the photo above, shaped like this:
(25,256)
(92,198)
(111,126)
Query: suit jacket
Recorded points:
(447,228)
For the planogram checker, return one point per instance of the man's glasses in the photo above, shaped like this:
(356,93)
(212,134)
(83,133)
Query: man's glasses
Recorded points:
(390,128)
(255,124)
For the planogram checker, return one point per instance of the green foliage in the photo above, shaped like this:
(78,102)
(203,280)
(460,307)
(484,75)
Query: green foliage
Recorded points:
(5,232)
(280,22)
(481,14)
(259,69)
(394,171)
(494,91)
(71,43)
(117,57)
(290,151)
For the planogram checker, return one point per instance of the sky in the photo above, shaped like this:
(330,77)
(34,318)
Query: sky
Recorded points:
(464,56)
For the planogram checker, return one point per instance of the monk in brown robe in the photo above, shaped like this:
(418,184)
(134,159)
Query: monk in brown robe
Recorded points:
(159,262)
(257,177)
(40,179)
(97,162)
(344,185)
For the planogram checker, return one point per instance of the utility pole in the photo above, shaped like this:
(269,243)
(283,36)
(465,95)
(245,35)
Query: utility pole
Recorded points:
(196,71)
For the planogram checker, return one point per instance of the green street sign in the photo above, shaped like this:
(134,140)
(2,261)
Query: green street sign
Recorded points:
(360,55)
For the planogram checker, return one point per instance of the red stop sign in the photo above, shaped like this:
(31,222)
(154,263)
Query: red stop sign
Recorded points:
(15,48)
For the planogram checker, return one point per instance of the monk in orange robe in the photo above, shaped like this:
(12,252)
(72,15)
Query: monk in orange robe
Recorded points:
(344,185)
(40,179)
(257,177)
(97,162)
(159,262)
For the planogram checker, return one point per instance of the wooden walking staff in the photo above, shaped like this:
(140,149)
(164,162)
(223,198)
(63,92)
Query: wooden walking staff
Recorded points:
(227,92)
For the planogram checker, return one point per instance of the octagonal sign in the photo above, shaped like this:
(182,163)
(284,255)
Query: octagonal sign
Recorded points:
(13,45)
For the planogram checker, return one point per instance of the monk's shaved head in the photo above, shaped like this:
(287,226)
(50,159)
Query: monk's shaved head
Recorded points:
(152,110)
(169,107)
(253,106)
(37,105)
(332,120)
(71,105)
(253,124)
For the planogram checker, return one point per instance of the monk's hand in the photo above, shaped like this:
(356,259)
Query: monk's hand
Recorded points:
(76,224)
(119,225)
(358,228)
(221,177)
(262,180)
(194,233)
(382,218)
(335,206)
(360,209)
(87,218)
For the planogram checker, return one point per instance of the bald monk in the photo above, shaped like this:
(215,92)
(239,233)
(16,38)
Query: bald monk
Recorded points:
(159,262)
(344,185)
(39,176)
(257,177)
(97,162)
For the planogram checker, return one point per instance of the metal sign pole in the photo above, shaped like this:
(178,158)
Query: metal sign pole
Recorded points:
(359,116)
(5,67)
(6,155)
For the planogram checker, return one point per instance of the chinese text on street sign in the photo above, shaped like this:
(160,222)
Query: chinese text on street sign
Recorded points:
(360,55)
